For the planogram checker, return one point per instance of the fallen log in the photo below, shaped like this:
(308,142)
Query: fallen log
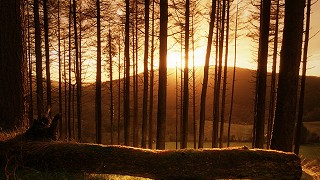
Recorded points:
(157,164)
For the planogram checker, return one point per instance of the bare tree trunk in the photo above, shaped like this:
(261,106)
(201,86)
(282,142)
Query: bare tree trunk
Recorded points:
(37,30)
(193,84)
(205,76)
(79,88)
(13,66)
(303,82)
(145,77)
(185,117)
(127,79)
(59,59)
(65,89)
(282,137)
(78,76)
(234,74)
(135,81)
(262,74)
(216,111)
(225,74)
(98,79)
(46,45)
(30,68)
(134,122)
(70,81)
(111,87)
(162,92)
(119,92)
(273,88)
(151,82)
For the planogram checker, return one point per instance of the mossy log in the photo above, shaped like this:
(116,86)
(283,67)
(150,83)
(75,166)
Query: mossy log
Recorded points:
(157,164)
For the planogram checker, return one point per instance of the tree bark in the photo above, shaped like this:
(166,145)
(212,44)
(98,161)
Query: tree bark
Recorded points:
(126,123)
(38,52)
(46,46)
(150,142)
(282,137)
(162,92)
(261,83)
(13,67)
(158,164)
(303,82)
(205,76)
(273,86)
(185,113)
(111,108)
(225,76)
(98,79)
(78,76)
(234,74)
(145,77)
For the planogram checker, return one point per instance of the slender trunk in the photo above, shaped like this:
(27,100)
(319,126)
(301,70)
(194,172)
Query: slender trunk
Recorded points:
(162,92)
(234,74)
(111,87)
(205,76)
(136,84)
(79,88)
(60,83)
(216,112)
(193,84)
(225,74)
(37,30)
(78,77)
(119,91)
(262,74)
(30,68)
(214,126)
(145,77)
(46,45)
(273,88)
(151,82)
(184,141)
(177,108)
(127,79)
(69,70)
(65,89)
(303,81)
(98,79)
(73,113)
(134,123)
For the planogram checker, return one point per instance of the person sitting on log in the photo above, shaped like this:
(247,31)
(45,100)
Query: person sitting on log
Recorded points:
(43,128)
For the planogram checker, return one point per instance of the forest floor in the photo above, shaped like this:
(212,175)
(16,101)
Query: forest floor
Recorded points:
(310,155)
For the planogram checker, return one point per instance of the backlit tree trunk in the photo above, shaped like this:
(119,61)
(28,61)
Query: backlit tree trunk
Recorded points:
(282,137)
(185,114)
(205,76)
(303,82)
(46,47)
(98,79)
(13,67)
(145,77)
(262,74)
(126,123)
(37,30)
(162,92)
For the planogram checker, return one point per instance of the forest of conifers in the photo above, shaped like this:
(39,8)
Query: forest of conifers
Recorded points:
(104,65)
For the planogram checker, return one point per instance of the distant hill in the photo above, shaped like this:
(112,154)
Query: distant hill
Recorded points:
(243,100)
